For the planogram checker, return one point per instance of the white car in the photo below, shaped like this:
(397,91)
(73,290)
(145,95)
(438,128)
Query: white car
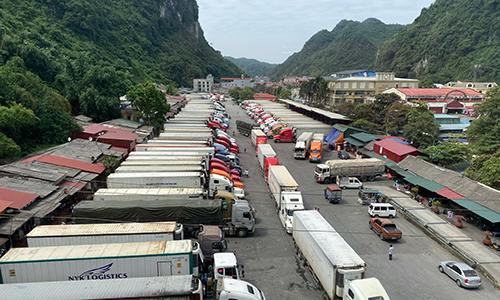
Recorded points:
(461,273)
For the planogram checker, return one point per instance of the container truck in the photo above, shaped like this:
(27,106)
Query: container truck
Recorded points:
(173,163)
(269,161)
(199,129)
(156,179)
(286,135)
(144,148)
(286,195)
(229,289)
(258,137)
(107,233)
(235,217)
(160,168)
(186,136)
(302,145)
(264,151)
(179,152)
(181,287)
(244,128)
(134,194)
(332,261)
(97,262)
(364,169)
(316,149)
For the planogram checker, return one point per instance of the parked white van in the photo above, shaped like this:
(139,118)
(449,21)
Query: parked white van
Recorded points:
(381,210)
(226,265)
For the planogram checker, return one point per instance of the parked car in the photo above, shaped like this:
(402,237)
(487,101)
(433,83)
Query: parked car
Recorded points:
(343,154)
(385,229)
(461,273)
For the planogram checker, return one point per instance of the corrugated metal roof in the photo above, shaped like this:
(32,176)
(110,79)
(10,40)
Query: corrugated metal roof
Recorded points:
(110,133)
(102,229)
(19,199)
(396,147)
(26,185)
(365,137)
(353,142)
(4,204)
(435,92)
(478,209)
(97,168)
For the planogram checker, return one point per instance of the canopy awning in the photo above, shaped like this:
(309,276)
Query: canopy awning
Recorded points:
(354,142)
(478,209)
(447,193)
(424,183)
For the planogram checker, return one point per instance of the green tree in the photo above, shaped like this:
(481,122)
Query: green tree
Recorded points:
(8,147)
(344,108)
(314,90)
(485,169)
(364,111)
(151,103)
(170,89)
(484,133)
(235,93)
(246,94)
(383,102)
(449,153)
(366,125)
(395,118)
(285,94)
(421,129)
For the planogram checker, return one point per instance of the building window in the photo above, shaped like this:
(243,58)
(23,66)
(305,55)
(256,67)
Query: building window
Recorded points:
(371,85)
(354,85)
(358,100)
(362,85)
(358,93)
(345,85)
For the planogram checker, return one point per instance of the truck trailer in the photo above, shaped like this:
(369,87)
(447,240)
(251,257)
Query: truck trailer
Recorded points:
(286,195)
(364,169)
(301,149)
(258,137)
(182,287)
(333,262)
(235,217)
(97,262)
(137,194)
(264,151)
(160,168)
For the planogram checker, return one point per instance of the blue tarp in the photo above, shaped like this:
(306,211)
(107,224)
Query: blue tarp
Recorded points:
(333,136)
(329,137)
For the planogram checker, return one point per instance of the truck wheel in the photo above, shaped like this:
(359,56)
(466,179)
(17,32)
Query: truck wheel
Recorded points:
(370,225)
(382,236)
(391,216)
(371,178)
(363,178)
(276,141)
(241,233)
(327,180)
(196,233)
(325,296)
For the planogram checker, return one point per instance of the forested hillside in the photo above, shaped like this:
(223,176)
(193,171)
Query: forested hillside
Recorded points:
(80,56)
(450,40)
(252,66)
(350,45)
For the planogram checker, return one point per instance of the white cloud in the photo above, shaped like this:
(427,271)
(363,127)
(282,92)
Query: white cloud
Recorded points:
(263,29)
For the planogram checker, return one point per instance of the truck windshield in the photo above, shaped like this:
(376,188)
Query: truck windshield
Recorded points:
(318,169)
(290,213)
(299,150)
(315,151)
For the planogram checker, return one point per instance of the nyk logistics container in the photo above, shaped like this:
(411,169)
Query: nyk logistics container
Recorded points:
(97,262)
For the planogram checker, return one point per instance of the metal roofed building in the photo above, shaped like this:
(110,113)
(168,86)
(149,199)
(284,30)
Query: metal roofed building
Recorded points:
(395,150)
(321,115)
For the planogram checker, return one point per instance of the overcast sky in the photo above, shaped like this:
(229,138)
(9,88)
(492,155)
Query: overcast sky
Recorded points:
(272,30)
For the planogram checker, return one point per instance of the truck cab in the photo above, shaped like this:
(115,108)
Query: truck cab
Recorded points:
(229,289)
(290,202)
(300,150)
(316,151)
(226,265)
(212,240)
(243,217)
(219,182)
(364,289)
(286,135)
(322,173)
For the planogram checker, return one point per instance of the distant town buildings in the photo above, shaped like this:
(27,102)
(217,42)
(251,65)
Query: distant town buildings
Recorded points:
(242,82)
(292,80)
(354,86)
(450,125)
(442,101)
(261,79)
(204,85)
(481,87)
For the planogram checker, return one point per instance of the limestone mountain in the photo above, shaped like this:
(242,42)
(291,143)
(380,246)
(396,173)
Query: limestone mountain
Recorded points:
(252,66)
(350,45)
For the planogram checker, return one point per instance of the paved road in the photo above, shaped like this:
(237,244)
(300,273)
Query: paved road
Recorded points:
(269,257)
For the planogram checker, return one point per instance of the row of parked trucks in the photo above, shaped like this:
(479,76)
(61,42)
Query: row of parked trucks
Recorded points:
(161,222)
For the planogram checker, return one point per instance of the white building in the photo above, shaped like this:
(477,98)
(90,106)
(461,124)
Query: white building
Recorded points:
(242,82)
(204,85)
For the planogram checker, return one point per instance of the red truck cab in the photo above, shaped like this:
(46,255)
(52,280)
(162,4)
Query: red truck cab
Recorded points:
(286,135)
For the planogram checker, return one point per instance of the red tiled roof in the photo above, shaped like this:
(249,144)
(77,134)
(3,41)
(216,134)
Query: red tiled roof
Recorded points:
(435,92)
(4,204)
(110,133)
(18,199)
(263,96)
(447,193)
(396,147)
(113,148)
(72,184)
(67,162)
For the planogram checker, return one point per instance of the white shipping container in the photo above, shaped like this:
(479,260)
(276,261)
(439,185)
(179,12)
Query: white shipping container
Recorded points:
(263,151)
(97,262)
(166,157)
(125,194)
(162,168)
(183,287)
(159,179)
(256,133)
(106,233)
(280,180)
(167,152)
(173,163)
(326,251)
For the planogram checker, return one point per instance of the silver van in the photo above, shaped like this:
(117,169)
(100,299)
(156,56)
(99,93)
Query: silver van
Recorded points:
(384,210)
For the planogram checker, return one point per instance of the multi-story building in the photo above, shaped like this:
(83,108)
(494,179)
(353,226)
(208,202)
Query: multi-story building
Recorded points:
(261,79)
(481,87)
(362,89)
(292,80)
(242,82)
(204,85)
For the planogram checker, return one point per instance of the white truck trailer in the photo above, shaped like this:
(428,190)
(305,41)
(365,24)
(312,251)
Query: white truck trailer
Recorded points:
(154,194)
(302,145)
(175,152)
(160,168)
(176,143)
(182,287)
(337,266)
(186,136)
(173,163)
(105,233)
(364,169)
(286,195)
(264,151)
(168,148)
(97,262)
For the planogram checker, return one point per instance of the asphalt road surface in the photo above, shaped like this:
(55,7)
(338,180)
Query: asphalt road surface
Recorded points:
(269,258)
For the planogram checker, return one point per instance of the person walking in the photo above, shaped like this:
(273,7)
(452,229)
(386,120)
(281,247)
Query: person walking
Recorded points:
(391,251)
